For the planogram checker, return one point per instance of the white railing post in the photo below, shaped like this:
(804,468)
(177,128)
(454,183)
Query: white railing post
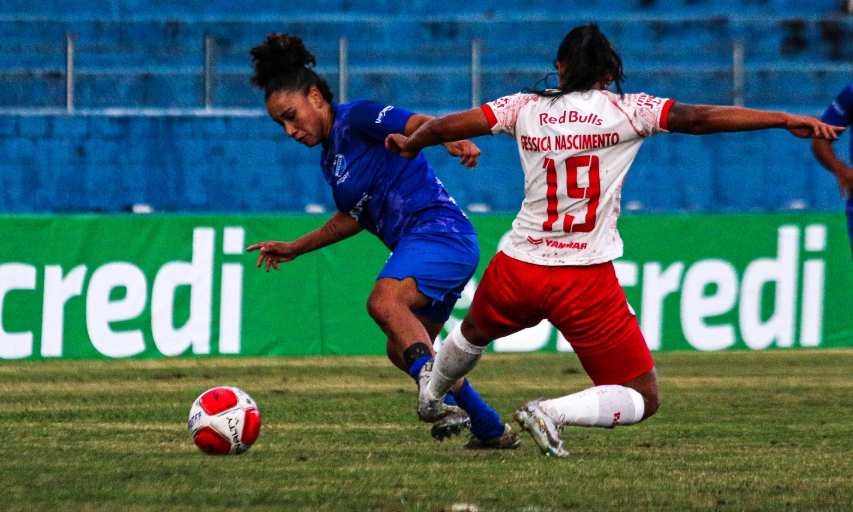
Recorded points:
(69,72)
(477,72)
(209,65)
(343,70)
(738,73)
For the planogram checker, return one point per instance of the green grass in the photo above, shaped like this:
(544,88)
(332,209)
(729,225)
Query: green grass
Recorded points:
(736,431)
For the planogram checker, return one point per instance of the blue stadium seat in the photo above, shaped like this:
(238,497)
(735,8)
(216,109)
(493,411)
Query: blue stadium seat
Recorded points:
(135,53)
(33,126)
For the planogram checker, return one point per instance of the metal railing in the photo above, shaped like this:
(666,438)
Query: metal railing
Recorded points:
(738,70)
(69,72)
(209,68)
(343,68)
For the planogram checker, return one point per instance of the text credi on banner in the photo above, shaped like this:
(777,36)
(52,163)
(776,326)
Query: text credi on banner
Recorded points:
(118,286)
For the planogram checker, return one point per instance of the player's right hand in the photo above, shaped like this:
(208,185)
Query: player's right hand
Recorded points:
(807,127)
(274,253)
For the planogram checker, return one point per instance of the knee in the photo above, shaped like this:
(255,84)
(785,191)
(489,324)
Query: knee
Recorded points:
(377,309)
(647,386)
(381,308)
(474,334)
(651,402)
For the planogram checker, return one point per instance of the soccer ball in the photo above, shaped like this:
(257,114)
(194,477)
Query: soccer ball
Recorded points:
(224,421)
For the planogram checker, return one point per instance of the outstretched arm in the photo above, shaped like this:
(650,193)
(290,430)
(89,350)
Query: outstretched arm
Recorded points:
(440,130)
(340,227)
(704,119)
(825,154)
(466,150)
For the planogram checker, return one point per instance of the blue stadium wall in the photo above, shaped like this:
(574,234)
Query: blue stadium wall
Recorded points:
(213,163)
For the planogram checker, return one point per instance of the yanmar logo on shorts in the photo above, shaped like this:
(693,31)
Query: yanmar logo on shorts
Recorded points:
(557,244)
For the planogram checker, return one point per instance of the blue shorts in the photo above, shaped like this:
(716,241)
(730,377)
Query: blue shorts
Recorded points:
(441,263)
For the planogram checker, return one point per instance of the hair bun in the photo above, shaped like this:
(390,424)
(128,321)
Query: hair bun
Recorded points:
(279,54)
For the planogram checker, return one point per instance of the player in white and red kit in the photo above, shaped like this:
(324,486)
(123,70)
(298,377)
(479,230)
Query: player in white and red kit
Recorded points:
(576,145)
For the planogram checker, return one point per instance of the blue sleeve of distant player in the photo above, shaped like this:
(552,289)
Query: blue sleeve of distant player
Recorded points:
(376,120)
(839,113)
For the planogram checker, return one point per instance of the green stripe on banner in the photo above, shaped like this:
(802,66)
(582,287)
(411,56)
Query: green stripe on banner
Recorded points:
(86,286)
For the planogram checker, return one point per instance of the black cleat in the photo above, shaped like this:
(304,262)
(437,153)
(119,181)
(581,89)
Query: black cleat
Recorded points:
(509,440)
(451,425)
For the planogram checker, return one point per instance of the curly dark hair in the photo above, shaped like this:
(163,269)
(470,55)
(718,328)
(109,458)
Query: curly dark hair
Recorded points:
(588,59)
(282,63)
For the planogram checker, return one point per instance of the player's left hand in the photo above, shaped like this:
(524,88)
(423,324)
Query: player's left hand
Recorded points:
(466,149)
(396,143)
(273,253)
(806,127)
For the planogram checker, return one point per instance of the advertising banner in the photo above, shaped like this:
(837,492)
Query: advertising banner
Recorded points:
(117,286)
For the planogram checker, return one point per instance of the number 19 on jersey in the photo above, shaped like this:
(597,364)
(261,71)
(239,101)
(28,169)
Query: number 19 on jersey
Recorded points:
(573,166)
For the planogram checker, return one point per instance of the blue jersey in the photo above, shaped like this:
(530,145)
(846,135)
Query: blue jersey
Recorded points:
(387,194)
(840,113)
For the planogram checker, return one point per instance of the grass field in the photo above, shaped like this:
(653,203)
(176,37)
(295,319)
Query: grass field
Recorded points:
(736,431)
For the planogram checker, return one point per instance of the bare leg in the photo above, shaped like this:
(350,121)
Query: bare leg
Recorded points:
(390,305)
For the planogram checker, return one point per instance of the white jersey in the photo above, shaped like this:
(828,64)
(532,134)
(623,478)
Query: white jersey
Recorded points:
(575,151)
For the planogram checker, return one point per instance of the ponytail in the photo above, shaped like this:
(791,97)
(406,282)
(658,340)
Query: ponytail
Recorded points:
(282,63)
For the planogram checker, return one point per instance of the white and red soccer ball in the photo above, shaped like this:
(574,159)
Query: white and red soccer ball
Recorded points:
(224,421)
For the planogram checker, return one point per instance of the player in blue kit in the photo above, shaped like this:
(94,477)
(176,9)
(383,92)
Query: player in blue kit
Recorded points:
(840,113)
(435,249)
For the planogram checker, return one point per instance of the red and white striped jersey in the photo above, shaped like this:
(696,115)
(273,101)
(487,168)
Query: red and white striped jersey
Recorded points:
(575,151)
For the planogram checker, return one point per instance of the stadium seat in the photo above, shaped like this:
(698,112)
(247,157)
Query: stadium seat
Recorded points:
(150,55)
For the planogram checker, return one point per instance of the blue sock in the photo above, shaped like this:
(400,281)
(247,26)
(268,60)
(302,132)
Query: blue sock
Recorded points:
(419,363)
(415,370)
(485,422)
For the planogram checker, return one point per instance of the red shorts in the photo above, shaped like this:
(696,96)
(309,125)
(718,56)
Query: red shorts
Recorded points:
(585,303)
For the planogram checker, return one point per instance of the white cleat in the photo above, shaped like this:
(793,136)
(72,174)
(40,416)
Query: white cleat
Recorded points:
(431,409)
(542,428)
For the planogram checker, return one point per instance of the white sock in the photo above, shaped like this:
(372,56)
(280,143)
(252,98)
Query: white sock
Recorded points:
(454,360)
(601,406)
